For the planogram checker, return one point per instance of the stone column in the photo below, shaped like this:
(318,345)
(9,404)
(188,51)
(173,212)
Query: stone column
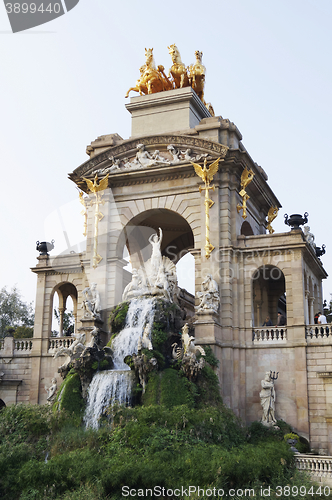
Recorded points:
(307,316)
(61,314)
(312,314)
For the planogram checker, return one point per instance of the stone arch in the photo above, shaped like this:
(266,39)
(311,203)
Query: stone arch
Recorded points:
(178,235)
(64,290)
(188,209)
(246,229)
(269,294)
(2,404)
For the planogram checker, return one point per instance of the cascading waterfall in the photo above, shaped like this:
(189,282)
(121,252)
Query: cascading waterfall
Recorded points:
(114,386)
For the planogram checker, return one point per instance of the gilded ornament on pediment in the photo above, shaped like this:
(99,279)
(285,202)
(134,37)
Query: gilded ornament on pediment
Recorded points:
(97,188)
(271,215)
(207,174)
(246,177)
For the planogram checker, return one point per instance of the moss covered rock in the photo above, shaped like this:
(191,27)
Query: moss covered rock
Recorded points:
(70,397)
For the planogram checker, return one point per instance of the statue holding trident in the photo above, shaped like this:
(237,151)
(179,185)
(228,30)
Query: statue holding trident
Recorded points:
(268,398)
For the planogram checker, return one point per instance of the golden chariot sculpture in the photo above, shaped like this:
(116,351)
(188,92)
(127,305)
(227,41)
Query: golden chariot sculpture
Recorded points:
(153,79)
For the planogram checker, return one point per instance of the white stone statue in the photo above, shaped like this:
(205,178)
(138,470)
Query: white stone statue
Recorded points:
(72,352)
(144,159)
(310,238)
(156,277)
(155,260)
(133,288)
(91,301)
(144,342)
(51,391)
(115,165)
(175,154)
(187,354)
(268,398)
(209,296)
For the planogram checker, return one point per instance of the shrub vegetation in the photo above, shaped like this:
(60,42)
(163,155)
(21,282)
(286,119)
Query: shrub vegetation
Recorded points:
(179,434)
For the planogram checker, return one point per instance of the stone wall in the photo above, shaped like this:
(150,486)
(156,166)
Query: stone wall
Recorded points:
(15,370)
(319,365)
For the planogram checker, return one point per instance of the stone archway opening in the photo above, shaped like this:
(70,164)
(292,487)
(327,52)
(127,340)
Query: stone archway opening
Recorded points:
(269,294)
(246,229)
(177,240)
(2,404)
(64,298)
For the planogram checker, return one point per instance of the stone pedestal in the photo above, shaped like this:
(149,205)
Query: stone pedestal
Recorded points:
(207,328)
(88,324)
(165,112)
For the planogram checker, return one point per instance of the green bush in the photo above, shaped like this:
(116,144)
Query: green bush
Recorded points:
(169,388)
(142,447)
(301,444)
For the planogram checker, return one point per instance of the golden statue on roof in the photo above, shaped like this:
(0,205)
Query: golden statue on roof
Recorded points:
(153,79)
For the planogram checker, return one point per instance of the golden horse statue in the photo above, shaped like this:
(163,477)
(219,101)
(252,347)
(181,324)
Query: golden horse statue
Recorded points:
(178,71)
(197,75)
(152,79)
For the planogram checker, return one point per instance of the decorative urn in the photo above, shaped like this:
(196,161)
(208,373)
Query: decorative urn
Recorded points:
(296,220)
(44,247)
(320,251)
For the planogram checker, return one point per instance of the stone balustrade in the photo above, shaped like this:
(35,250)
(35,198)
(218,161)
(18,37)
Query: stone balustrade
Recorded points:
(23,345)
(11,345)
(269,334)
(319,466)
(57,342)
(318,331)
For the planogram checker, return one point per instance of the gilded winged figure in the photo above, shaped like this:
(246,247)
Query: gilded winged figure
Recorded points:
(246,177)
(94,187)
(206,174)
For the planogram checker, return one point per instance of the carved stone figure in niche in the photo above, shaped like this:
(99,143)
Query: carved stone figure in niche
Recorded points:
(127,164)
(115,165)
(144,159)
(187,354)
(186,156)
(51,391)
(268,398)
(209,296)
(91,301)
(175,154)
(310,238)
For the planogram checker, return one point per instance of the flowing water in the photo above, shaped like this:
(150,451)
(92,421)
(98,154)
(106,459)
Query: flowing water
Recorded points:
(114,386)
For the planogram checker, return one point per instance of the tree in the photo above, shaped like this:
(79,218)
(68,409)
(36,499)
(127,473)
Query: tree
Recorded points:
(13,311)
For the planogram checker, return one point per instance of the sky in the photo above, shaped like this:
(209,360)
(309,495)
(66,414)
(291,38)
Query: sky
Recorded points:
(63,85)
